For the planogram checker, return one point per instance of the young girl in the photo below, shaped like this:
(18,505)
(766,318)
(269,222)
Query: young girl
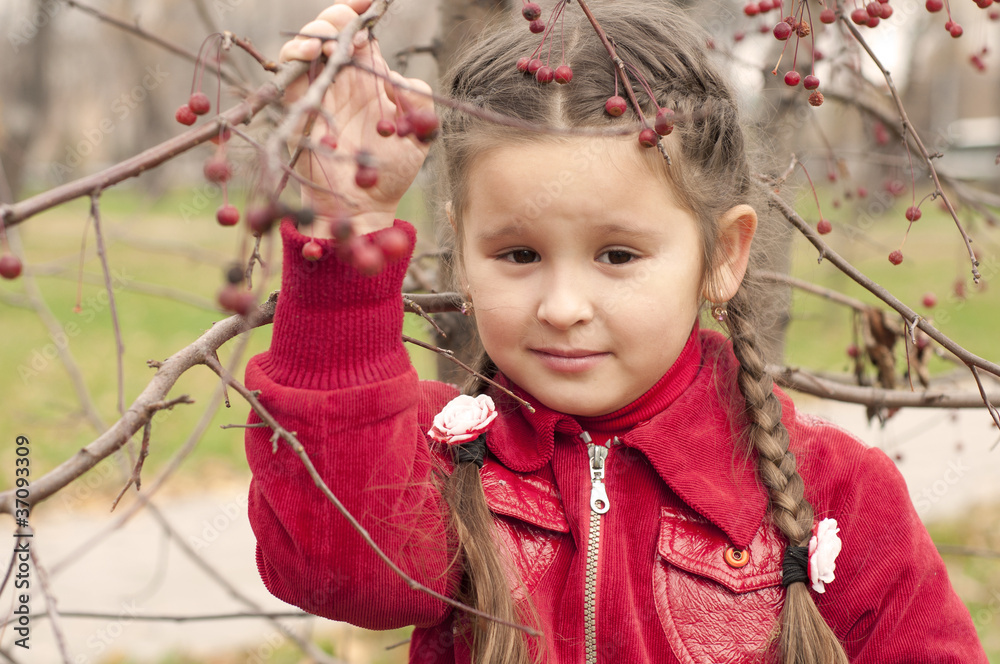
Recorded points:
(662,501)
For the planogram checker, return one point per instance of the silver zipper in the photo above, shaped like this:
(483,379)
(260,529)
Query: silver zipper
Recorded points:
(599,504)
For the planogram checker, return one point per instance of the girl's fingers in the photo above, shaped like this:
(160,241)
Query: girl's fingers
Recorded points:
(306,48)
(418,99)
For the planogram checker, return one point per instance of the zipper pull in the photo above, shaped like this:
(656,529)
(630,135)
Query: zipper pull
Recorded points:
(599,502)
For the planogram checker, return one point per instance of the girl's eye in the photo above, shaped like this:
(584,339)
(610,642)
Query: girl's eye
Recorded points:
(616,257)
(521,256)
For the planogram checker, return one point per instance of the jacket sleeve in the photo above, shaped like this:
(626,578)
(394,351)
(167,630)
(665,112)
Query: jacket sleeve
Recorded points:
(338,376)
(891,601)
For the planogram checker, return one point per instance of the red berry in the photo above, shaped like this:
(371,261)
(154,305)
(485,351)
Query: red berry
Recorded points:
(522,64)
(994,15)
(534,65)
(647,138)
(874,8)
(664,123)
(329,141)
(816,98)
(881,134)
(852,351)
(886,11)
(10,266)
(385,128)
(261,219)
(537,26)
(403,126)
(531,11)
(425,124)
(810,82)
(984,4)
(873,21)
(862,192)
(912,213)
(185,115)
(393,243)
(934,5)
(217,169)
(227,215)
(236,299)
(564,74)
(312,251)
(827,16)
(803,29)
(860,16)
(792,78)
(824,227)
(765,6)
(895,187)
(929,300)
(751,9)
(199,104)
(739,36)
(955,30)
(782,31)
(615,106)
(545,74)
(365,256)
(896,257)
(977,62)
(366,177)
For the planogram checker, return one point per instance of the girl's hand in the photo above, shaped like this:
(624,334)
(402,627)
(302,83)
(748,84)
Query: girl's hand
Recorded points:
(356,101)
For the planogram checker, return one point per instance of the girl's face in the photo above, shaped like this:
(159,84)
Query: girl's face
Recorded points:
(585,273)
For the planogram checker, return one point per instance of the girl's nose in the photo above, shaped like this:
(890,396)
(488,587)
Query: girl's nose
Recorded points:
(565,301)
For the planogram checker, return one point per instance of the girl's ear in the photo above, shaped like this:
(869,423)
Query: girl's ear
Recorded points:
(736,229)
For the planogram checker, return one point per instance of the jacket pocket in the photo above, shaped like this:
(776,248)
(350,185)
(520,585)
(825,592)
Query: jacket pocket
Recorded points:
(529,522)
(716,603)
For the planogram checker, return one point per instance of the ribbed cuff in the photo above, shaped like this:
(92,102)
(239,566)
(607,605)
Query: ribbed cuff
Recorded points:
(333,326)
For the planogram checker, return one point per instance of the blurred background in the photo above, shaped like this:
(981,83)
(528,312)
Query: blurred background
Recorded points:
(78,95)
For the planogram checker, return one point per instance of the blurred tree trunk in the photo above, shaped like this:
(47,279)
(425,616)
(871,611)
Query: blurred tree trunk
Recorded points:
(24,106)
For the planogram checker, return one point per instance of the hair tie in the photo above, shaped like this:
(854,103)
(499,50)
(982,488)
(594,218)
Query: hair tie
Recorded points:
(473,451)
(795,566)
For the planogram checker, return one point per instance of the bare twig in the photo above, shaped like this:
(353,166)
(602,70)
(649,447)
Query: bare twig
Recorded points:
(50,605)
(280,433)
(955,550)
(908,127)
(832,295)
(436,303)
(155,39)
(95,214)
(241,113)
(447,354)
(877,397)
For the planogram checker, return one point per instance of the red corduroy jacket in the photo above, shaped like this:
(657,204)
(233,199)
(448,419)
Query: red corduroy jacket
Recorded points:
(647,581)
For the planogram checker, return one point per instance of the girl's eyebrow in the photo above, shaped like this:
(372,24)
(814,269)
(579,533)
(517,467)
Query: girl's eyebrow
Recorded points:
(516,229)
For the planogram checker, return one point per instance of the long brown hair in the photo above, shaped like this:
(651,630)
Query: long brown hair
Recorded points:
(710,173)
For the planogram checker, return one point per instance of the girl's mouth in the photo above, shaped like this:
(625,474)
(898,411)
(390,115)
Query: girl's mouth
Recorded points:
(569,360)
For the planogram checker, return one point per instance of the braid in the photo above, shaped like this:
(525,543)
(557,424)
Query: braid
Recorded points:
(805,636)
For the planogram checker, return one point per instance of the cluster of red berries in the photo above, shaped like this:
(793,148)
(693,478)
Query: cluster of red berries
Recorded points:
(533,65)
(799,28)
(869,15)
(368,254)
(762,7)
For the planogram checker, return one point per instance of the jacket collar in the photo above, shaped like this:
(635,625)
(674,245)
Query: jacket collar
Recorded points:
(691,442)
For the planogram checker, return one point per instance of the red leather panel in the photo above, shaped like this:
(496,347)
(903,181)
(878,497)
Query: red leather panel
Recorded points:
(525,497)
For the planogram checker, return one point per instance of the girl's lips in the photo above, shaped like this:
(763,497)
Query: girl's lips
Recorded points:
(569,360)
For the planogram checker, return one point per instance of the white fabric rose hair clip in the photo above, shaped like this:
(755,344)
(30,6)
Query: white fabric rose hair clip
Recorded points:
(814,563)
(824,547)
(461,424)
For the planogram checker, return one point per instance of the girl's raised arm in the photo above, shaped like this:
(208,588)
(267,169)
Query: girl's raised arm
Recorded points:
(338,376)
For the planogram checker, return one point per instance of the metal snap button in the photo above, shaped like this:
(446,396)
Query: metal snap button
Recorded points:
(736,557)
